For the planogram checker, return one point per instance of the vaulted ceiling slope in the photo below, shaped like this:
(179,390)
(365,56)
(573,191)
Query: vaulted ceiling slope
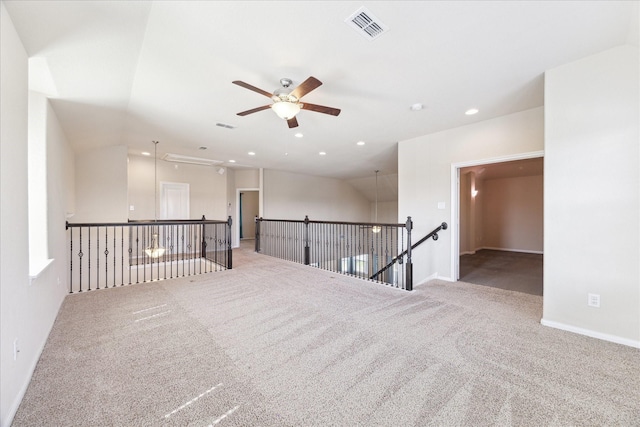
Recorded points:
(127,73)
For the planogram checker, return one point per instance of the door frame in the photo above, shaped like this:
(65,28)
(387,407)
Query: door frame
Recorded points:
(455,200)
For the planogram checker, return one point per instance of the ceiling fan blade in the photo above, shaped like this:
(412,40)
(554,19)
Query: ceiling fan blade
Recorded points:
(320,109)
(253,88)
(292,122)
(305,87)
(254,110)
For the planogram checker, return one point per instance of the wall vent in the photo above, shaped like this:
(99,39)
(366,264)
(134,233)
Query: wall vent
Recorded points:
(366,24)
(169,157)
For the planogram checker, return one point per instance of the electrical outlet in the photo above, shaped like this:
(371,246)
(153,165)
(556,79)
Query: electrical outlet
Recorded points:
(593,300)
(16,349)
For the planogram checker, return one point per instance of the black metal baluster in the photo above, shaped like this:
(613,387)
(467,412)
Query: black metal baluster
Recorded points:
(409,265)
(229,249)
(80,256)
(190,247)
(216,231)
(98,258)
(106,257)
(198,236)
(121,256)
(70,259)
(164,253)
(137,254)
(130,251)
(325,246)
(182,246)
(89,261)
(171,240)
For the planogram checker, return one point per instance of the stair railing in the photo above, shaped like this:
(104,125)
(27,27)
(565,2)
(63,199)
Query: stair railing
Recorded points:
(103,255)
(351,248)
(433,235)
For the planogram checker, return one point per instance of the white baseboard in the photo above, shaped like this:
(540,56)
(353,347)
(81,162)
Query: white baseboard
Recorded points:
(468,253)
(435,276)
(524,251)
(593,334)
(428,279)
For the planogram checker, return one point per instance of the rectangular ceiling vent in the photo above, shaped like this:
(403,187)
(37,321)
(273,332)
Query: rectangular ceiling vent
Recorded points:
(190,160)
(366,24)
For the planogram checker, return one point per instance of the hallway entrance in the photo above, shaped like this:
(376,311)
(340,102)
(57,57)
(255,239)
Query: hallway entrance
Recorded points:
(499,229)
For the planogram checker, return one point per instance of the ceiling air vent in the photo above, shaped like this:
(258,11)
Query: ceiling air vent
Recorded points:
(366,24)
(226,126)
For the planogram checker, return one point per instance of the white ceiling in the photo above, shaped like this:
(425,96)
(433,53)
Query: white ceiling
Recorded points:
(129,72)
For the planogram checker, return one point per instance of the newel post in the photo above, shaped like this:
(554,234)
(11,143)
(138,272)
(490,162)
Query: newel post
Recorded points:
(409,266)
(203,244)
(257,242)
(229,251)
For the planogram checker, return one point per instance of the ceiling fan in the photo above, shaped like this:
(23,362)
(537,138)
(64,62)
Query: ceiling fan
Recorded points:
(286,102)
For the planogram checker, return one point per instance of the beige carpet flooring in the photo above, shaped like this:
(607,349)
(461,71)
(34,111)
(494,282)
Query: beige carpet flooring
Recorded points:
(513,271)
(273,343)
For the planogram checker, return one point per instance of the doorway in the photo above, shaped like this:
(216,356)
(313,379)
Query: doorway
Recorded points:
(498,217)
(247,208)
(248,213)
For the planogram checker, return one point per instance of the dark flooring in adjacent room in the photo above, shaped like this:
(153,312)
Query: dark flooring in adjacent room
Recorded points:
(514,271)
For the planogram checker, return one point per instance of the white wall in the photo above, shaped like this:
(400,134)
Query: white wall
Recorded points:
(14,250)
(248,178)
(101,185)
(387,213)
(592,193)
(424,177)
(292,196)
(207,188)
(27,307)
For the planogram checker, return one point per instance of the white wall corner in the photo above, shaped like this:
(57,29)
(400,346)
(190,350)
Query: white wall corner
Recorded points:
(434,276)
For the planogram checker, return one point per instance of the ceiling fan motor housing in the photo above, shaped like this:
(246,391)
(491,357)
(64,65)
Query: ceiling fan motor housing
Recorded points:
(284,93)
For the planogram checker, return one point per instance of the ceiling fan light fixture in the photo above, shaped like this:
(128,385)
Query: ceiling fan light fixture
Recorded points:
(286,110)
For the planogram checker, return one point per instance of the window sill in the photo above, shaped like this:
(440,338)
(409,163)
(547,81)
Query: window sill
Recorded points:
(37,268)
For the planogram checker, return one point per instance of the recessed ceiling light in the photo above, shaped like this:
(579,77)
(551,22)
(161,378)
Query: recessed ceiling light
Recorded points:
(360,143)
(322,153)
(298,135)
(145,153)
(471,111)
(417,107)
(232,161)
(251,153)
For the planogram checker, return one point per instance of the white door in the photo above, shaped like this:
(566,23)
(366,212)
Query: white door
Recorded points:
(174,200)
